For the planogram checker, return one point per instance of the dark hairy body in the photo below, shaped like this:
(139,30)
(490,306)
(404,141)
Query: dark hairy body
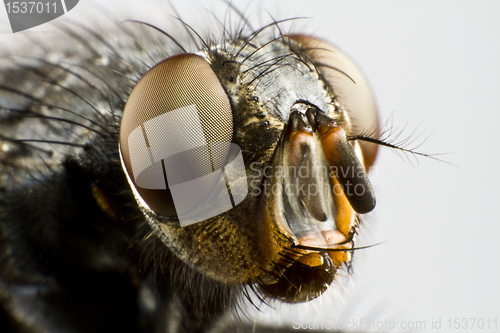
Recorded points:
(78,253)
(66,265)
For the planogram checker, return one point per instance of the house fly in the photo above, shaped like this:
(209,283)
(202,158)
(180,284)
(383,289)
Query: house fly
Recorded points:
(86,246)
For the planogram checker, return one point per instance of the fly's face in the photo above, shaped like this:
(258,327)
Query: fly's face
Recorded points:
(272,120)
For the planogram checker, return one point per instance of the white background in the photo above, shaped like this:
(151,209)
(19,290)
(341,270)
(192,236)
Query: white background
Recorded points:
(434,66)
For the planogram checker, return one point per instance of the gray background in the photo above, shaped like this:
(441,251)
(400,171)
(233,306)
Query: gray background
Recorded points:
(434,66)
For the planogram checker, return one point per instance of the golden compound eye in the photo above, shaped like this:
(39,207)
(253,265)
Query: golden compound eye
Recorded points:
(177,127)
(350,88)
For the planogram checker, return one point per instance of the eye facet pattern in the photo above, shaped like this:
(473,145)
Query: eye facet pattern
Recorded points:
(175,141)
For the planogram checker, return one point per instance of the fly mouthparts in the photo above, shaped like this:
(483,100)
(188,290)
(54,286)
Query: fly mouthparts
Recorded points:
(338,153)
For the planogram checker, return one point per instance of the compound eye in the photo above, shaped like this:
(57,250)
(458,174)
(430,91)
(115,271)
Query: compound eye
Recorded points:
(350,88)
(177,126)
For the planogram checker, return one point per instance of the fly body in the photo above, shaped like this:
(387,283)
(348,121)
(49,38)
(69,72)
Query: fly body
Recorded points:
(100,138)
